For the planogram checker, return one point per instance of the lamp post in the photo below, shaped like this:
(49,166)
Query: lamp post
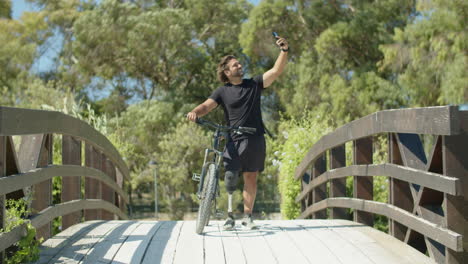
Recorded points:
(153,165)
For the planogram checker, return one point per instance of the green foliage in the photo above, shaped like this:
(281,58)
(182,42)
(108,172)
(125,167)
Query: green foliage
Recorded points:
(429,56)
(18,50)
(141,128)
(268,16)
(5,9)
(140,45)
(16,211)
(60,17)
(27,249)
(335,49)
(298,136)
(147,50)
(182,156)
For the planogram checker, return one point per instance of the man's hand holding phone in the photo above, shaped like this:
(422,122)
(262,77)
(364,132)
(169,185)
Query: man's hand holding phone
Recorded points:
(281,42)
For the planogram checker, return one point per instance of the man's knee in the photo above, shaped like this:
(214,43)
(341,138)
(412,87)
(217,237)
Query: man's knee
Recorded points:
(250,177)
(230,179)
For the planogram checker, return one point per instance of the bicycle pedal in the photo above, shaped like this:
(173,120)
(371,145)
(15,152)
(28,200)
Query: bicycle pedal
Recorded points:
(196,177)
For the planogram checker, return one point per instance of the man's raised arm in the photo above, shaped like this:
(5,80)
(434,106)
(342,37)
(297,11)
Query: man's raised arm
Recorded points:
(202,109)
(270,76)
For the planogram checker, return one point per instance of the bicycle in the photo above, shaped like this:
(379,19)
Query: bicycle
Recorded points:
(208,189)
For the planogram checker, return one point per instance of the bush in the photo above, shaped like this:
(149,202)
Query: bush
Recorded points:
(27,248)
(295,140)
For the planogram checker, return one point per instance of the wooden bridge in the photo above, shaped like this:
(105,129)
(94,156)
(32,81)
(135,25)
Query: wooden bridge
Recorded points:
(427,207)
(294,241)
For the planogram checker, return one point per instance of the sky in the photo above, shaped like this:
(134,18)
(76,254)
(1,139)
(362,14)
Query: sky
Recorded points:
(19,6)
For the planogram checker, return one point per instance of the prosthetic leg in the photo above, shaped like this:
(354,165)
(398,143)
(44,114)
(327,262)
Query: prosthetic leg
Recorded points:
(229,203)
(231,178)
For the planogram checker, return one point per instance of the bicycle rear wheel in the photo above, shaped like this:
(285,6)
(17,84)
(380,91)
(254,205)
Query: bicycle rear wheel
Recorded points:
(207,196)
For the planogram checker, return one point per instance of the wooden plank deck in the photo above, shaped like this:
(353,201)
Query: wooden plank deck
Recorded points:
(292,241)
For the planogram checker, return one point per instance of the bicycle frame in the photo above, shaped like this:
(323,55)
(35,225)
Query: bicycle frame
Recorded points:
(216,159)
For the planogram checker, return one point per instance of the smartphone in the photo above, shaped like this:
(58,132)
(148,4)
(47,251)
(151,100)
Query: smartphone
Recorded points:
(275,35)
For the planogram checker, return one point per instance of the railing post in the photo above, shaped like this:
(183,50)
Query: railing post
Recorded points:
(363,185)
(455,164)
(120,181)
(2,197)
(338,186)
(306,178)
(71,186)
(399,193)
(319,193)
(42,192)
(107,193)
(92,186)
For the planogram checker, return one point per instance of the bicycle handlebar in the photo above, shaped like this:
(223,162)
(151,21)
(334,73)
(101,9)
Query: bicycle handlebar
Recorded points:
(238,130)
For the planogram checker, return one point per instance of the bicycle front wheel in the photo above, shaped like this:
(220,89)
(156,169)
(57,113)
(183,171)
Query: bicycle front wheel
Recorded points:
(207,196)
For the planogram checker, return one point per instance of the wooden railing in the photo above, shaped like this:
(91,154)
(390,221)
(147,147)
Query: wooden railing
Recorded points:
(27,169)
(427,206)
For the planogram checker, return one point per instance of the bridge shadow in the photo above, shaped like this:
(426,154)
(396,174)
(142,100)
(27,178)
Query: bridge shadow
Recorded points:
(236,232)
(153,252)
(108,245)
(280,228)
(72,250)
(67,241)
(101,249)
(300,227)
(152,240)
(269,229)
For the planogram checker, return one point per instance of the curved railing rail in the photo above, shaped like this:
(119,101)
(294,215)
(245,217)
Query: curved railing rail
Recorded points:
(17,121)
(93,173)
(428,194)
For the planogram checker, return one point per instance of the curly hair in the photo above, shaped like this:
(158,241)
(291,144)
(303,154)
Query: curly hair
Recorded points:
(222,66)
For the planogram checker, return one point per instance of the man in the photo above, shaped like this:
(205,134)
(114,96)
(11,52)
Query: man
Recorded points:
(240,99)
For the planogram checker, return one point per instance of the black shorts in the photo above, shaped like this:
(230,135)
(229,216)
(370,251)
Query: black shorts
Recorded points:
(247,155)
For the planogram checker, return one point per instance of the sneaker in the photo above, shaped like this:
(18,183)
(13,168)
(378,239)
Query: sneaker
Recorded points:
(248,223)
(229,224)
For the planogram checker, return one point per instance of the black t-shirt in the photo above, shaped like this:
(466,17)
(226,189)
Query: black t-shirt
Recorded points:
(241,104)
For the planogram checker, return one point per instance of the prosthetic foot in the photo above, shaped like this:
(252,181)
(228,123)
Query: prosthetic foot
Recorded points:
(230,222)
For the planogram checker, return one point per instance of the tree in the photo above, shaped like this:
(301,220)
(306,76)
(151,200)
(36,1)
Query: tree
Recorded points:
(143,125)
(5,9)
(19,41)
(334,44)
(428,57)
(217,25)
(121,41)
(164,52)
(60,17)
(179,157)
